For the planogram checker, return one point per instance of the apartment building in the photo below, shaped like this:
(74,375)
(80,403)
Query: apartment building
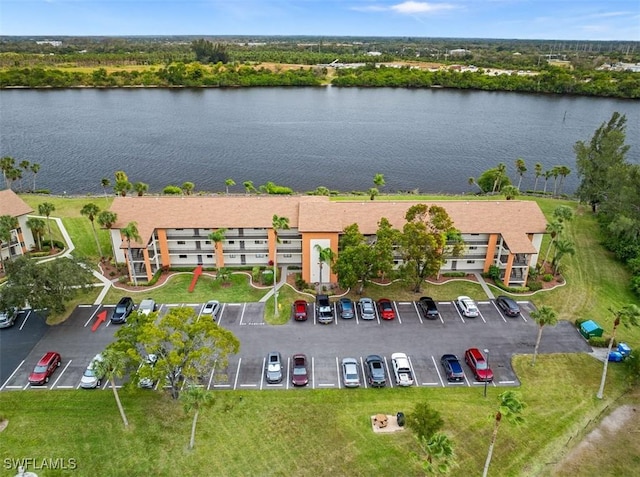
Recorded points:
(175,232)
(21,238)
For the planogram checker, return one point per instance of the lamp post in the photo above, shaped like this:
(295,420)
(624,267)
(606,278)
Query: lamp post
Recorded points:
(486,353)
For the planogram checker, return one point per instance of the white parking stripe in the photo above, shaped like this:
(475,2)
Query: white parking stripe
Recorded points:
(499,312)
(522,316)
(458,311)
(415,306)
(364,377)
(506,382)
(24,322)
(395,307)
(338,369)
(235,381)
(437,370)
(255,385)
(288,370)
(313,372)
(244,307)
(61,373)
(481,316)
(4,385)
(413,371)
(386,365)
(91,317)
(213,370)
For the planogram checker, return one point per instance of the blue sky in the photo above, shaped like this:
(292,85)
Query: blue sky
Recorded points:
(523,19)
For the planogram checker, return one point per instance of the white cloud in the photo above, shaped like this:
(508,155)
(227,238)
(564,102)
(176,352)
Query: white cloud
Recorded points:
(413,8)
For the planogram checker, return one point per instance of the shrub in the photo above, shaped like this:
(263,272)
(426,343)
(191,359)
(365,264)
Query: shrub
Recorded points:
(271,188)
(601,341)
(300,283)
(579,321)
(172,190)
(494,273)
(256,274)
(535,286)
(154,279)
(267,277)
(454,274)
(547,277)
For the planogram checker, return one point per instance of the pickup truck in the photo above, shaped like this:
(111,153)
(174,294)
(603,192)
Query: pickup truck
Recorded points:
(324,312)
(401,369)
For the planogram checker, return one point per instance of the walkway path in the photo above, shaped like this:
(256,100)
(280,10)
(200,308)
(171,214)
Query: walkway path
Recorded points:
(282,281)
(484,285)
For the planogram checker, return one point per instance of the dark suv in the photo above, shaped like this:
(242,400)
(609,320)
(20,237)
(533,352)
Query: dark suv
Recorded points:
(376,375)
(428,307)
(122,310)
(324,312)
(508,306)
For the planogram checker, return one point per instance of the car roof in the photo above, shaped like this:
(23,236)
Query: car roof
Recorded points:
(476,353)
(47,356)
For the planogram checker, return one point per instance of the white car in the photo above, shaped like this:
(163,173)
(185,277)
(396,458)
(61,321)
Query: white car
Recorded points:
(212,307)
(350,374)
(402,369)
(8,317)
(90,379)
(467,307)
(147,306)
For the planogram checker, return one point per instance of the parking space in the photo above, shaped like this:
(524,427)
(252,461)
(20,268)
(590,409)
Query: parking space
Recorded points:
(424,341)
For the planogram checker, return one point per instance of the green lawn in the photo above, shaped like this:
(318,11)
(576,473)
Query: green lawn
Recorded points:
(306,432)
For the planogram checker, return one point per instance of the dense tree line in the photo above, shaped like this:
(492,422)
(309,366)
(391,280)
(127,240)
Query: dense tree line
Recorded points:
(611,185)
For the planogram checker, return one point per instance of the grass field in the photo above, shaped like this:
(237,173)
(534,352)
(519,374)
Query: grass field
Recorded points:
(327,432)
(304,432)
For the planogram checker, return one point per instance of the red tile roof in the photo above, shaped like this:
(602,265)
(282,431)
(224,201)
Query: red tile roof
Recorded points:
(11,204)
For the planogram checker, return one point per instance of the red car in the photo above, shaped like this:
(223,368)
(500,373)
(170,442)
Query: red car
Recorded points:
(300,310)
(478,364)
(385,308)
(45,368)
(299,374)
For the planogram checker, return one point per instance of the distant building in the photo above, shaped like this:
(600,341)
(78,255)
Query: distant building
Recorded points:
(21,237)
(49,42)
(374,53)
(459,52)
(175,232)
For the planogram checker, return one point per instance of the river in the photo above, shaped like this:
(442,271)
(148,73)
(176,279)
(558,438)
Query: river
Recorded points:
(430,140)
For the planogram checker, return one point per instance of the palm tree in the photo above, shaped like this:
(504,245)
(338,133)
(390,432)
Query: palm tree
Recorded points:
(90,211)
(440,455)
(46,208)
(555,172)
(112,365)
(544,316)
(564,171)
(547,175)
(6,164)
(521,168)
(248,187)
(194,399)
(538,171)
(35,168)
(105,183)
(13,175)
(510,408)
(217,237)
(122,187)
(121,176)
(500,170)
(562,248)
(229,183)
(510,192)
(629,315)
(554,228)
(188,187)
(106,219)
(373,192)
(325,255)
(130,233)
(24,165)
(278,223)
(37,227)
(140,188)
(378,180)
(472,181)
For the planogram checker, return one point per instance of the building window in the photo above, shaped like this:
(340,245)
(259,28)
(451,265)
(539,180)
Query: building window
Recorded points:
(286,241)
(207,242)
(474,235)
(232,256)
(181,242)
(473,248)
(182,256)
(287,255)
(260,255)
(231,242)
(209,256)
(471,261)
(179,229)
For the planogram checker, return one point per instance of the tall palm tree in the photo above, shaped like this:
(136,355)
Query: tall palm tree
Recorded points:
(106,219)
(564,171)
(112,366)
(278,223)
(544,316)
(500,171)
(130,232)
(554,228)
(217,237)
(90,211)
(562,248)
(194,399)
(538,171)
(510,408)
(547,175)
(122,187)
(373,192)
(105,183)
(249,187)
(35,168)
(555,172)
(6,164)
(229,183)
(24,165)
(325,255)
(378,180)
(46,208)
(521,168)
(628,315)
(37,227)
(140,188)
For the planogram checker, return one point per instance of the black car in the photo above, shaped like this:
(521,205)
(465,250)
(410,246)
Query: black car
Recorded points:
(452,368)
(376,375)
(122,310)
(508,306)
(428,308)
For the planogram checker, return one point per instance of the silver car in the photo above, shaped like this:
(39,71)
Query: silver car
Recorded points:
(273,373)
(367,309)
(350,373)
(212,307)
(8,317)
(91,379)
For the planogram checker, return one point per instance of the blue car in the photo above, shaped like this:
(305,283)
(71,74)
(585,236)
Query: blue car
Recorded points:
(620,353)
(346,308)
(452,368)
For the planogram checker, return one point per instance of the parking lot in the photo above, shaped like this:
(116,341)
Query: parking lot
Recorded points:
(424,341)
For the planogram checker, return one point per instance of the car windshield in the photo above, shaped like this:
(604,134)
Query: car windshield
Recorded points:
(299,371)
(40,368)
(481,365)
(274,367)
(121,308)
(89,373)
